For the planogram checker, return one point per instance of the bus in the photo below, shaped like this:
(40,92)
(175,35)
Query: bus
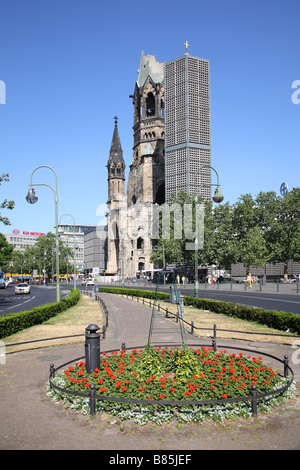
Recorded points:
(2,280)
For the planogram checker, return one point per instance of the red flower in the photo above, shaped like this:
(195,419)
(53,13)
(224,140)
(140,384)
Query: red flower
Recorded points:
(141,389)
(123,389)
(102,389)
(162,396)
(224,395)
(188,393)
(172,389)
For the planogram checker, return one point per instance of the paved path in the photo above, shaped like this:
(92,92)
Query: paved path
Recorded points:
(30,420)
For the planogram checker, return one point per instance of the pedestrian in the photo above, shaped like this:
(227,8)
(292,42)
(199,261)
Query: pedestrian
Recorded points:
(183,281)
(249,280)
(178,279)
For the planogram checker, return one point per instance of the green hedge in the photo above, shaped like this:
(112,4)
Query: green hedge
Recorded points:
(14,322)
(279,320)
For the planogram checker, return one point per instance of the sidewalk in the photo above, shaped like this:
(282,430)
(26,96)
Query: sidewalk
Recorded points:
(30,420)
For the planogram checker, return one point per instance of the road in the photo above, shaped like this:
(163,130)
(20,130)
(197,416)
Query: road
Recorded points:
(286,299)
(12,303)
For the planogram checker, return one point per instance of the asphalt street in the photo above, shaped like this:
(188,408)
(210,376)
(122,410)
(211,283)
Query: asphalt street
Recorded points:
(39,295)
(285,299)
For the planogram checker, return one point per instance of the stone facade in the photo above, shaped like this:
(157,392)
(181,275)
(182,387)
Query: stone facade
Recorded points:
(116,191)
(129,242)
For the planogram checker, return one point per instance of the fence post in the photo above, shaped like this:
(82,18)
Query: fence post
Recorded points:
(214,342)
(92,400)
(52,371)
(253,394)
(286,365)
(192,327)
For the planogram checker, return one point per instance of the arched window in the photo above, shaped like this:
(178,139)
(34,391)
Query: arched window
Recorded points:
(160,195)
(140,243)
(133,200)
(150,105)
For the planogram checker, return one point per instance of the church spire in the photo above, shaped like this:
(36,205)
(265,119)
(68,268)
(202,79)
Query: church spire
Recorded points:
(116,167)
(116,152)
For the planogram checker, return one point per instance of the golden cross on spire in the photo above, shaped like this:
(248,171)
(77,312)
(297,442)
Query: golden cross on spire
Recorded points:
(186,44)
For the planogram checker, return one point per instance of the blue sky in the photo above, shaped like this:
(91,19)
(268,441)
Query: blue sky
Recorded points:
(69,67)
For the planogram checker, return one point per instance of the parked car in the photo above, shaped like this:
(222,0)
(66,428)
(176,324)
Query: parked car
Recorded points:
(90,282)
(22,288)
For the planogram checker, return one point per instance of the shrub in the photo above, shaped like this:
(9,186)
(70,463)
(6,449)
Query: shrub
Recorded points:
(273,318)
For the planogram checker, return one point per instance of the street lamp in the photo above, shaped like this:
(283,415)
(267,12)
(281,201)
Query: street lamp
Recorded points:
(31,198)
(217,197)
(74,275)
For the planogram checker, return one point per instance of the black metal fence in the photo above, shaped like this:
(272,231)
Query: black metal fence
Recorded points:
(253,397)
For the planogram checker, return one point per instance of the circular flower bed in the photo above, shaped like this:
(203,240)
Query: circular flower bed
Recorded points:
(171,374)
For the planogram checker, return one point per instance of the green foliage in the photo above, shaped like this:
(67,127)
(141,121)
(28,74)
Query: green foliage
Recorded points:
(5,252)
(14,322)
(41,256)
(272,318)
(5,204)
(253,231)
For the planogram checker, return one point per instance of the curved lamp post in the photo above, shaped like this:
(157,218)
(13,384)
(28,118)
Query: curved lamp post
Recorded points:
(31,198)
(217,197)
(74,275)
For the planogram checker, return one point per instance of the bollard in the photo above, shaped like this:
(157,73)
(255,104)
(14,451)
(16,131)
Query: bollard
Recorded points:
(92,348)
(123,347)
(253,394)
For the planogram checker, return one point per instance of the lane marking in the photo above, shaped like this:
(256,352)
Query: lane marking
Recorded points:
(18,305)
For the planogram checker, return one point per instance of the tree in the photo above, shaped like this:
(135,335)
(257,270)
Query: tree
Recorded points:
(45,254)
(5,253)
(6,204)
(285,234)
(252,249)
(218,247)
(177,222)
(41,257)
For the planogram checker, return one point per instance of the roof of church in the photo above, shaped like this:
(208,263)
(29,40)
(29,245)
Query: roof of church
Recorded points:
(148,150)
(116,152)
(150,66)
